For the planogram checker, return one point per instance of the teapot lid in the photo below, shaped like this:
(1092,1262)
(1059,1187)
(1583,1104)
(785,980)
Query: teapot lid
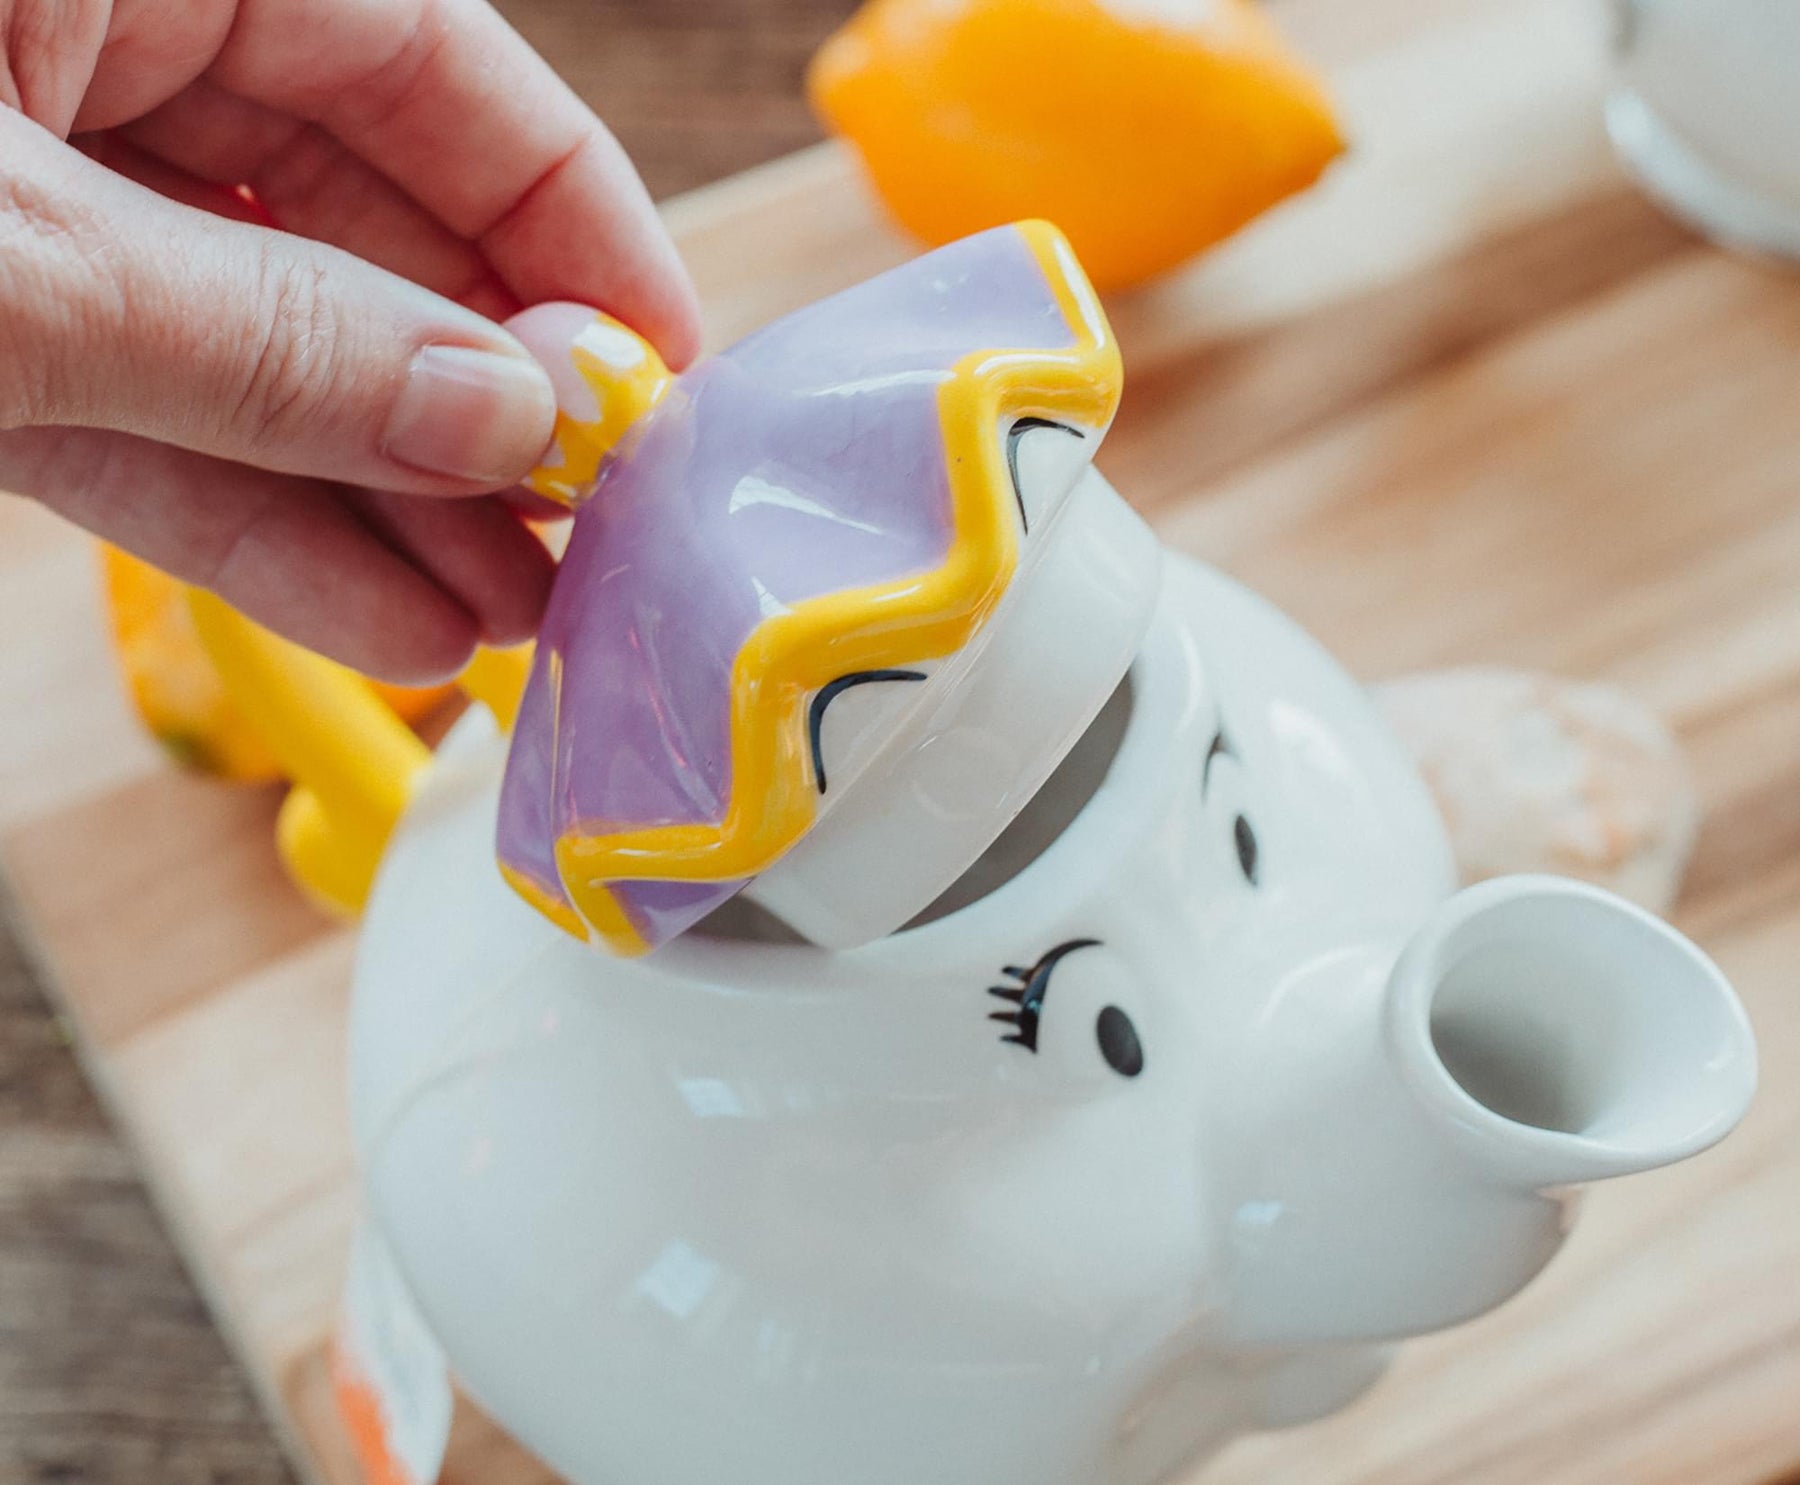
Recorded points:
(834,604)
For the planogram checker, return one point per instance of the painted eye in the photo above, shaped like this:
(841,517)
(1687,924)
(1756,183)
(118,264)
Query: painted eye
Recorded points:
(1027,996)
(1019,429)
(1222,788)
(1244,837)
(1119,1043)
(815,715)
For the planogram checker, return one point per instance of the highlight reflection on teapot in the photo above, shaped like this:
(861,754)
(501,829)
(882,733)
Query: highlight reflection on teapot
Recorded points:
(969,996)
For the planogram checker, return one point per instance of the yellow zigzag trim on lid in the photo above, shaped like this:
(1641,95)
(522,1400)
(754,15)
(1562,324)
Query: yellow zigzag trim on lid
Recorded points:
(791,655)
(565,917)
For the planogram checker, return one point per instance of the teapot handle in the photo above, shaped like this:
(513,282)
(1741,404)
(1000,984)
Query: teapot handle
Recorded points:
(353,760)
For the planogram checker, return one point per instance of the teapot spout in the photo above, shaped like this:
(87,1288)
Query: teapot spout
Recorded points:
(1428,1114)
(1558,1034)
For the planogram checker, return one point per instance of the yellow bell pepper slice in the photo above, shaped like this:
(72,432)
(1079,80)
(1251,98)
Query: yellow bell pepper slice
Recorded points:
(176,690)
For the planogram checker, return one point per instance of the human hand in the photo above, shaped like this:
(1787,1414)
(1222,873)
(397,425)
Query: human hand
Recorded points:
(280,417)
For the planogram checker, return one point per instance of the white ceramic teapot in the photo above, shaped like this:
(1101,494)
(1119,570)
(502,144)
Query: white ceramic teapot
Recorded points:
(1198,1087)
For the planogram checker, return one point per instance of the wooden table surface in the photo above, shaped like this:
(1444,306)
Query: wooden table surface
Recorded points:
(1474,399)
(109,1366)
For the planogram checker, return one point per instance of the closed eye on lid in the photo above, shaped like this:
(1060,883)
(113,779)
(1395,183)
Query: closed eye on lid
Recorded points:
(1018,430)
(815,717)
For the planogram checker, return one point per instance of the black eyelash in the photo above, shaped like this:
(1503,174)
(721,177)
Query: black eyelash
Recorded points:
(815,714)
(1028,995)
(1025,425)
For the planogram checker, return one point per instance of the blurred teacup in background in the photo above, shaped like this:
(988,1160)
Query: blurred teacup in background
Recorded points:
(1705,110)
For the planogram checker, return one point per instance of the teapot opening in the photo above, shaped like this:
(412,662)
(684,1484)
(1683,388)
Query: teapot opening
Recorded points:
(1047,814)
(1505,1056)
(1037,827)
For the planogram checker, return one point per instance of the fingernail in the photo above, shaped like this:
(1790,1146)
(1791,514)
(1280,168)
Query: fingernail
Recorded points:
(474,415)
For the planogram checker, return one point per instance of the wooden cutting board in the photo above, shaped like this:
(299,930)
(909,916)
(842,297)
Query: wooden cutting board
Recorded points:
(1470,400)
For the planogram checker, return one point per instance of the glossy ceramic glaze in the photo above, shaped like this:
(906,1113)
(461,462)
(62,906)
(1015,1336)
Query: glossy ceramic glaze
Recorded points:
(754,661)
(1265,1093)
(1194,1083)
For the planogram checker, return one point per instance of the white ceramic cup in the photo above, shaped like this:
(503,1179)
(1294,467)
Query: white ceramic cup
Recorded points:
(1706,113)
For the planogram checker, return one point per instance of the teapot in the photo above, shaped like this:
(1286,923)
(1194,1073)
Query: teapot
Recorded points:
(1061,1048)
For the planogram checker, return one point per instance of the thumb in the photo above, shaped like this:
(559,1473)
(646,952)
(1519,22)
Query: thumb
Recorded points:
(121,309)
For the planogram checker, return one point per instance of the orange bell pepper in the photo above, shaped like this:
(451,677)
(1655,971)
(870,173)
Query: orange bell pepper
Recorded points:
(1146,129)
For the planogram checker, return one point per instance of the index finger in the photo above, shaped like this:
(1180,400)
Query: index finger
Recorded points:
(449,102)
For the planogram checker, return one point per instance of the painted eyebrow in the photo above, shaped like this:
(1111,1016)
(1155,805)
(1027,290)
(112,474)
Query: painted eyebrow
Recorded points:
(815,714)
(1023,426)
(1220,746)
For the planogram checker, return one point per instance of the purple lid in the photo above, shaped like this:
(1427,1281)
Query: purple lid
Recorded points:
(828,497)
